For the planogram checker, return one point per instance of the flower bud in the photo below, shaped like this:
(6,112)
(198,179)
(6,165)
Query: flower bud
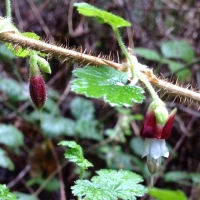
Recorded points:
(37,91)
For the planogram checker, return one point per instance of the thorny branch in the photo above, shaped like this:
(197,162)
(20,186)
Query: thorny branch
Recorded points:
(77,55)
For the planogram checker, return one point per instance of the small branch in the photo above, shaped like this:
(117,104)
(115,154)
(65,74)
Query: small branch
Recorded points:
(19,176)
(53,50)
(188,95)
(85,59)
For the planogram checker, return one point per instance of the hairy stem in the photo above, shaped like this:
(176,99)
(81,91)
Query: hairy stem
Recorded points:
(8,9)
(82,58)
(123,48)
(66,54)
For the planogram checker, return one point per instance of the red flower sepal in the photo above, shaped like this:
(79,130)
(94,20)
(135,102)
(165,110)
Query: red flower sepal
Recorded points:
(153,129)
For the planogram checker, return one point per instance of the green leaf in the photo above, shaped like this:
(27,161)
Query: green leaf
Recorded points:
(195,178)
(177,49)
(53,94)
(183,73)
(5,53)
(51,106)
(31,35)
(108,83)
(5,161)
(54,127)
(23,196)
(116,159)
(160,194)
(136,143)
(18,51)
(50,186)
(11,136)
(87,129)
(82,108)
(13,90)
(110,185)
(75,154)
(22,52)
(5,194)
(176,176)
(148,54)
(102,16)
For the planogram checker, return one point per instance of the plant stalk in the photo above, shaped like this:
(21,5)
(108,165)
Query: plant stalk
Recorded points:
(82,58)
(8,9)
(124,50)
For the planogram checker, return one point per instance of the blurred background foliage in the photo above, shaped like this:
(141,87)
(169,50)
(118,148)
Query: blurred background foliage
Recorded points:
(165,35)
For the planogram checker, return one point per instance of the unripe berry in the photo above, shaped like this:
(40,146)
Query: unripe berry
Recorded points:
(37,91)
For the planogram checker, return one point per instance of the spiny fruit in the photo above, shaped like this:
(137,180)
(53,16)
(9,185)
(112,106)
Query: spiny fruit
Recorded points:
(37,91)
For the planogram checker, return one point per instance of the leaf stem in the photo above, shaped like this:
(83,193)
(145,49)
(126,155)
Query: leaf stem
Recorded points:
(8,9)
(81,173)
(81,178)
(124,50)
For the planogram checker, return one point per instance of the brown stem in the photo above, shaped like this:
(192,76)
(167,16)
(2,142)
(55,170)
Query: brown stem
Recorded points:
(80,57)
(56,51)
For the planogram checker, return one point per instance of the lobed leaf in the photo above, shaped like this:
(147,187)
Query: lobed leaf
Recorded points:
(110,185)
(5,194)
(75,154)
(101,15)
(108,83)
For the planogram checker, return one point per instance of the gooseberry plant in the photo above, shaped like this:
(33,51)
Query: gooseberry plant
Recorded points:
(117,84)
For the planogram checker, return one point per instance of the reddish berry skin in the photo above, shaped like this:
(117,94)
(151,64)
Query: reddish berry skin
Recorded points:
(37,91)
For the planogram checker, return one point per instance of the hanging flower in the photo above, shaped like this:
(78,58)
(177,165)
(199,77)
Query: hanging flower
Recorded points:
(156,128)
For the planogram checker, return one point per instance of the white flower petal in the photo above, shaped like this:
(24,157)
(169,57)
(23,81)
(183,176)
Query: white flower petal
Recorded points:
(146,147)
(155,148)
(155,151)
(164,150)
